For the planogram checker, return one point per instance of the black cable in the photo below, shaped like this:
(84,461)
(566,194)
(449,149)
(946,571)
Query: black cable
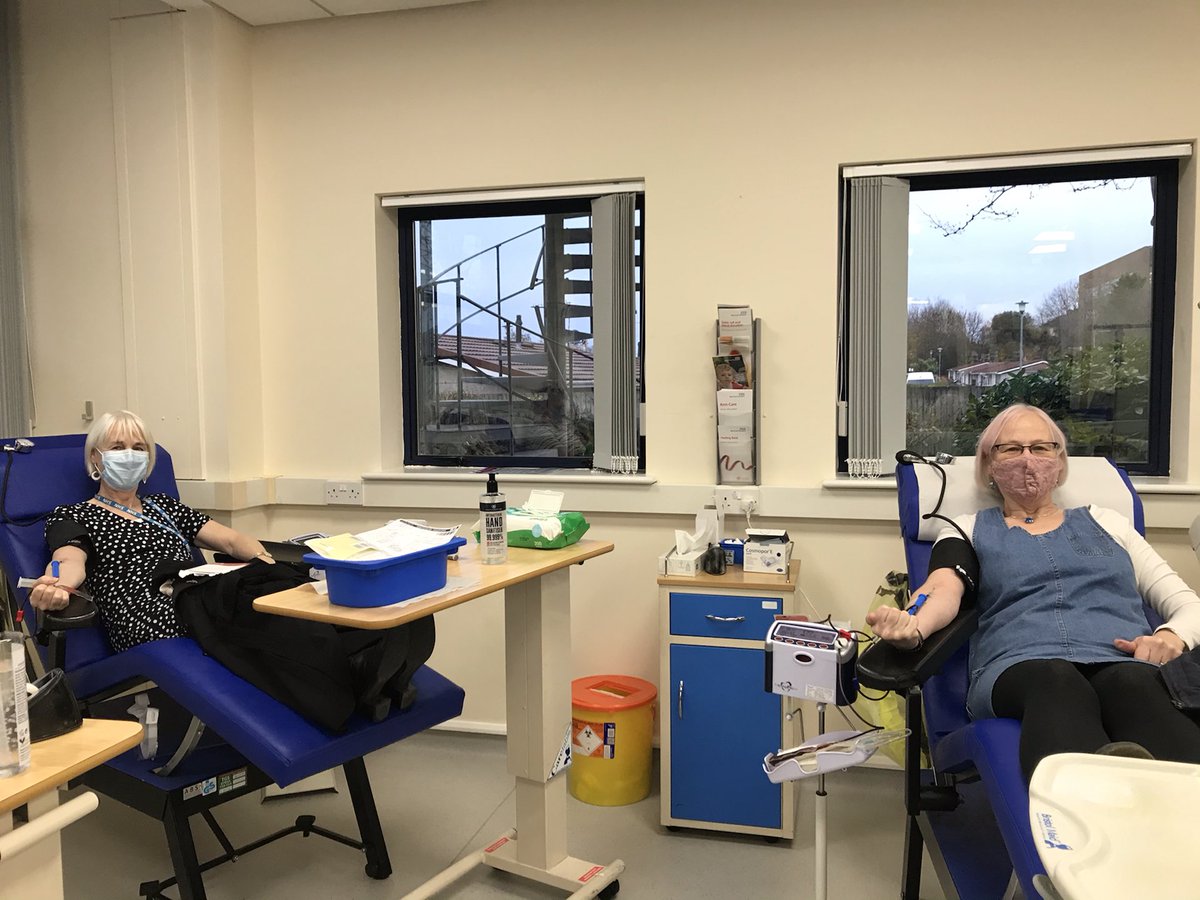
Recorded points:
(882,696)
(860,718)
(909,457)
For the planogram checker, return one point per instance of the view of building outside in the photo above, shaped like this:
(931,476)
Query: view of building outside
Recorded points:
(505,353)
(502,372)
(1036,293)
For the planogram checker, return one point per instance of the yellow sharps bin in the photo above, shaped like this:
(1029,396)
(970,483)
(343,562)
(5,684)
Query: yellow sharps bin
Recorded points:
(611,731)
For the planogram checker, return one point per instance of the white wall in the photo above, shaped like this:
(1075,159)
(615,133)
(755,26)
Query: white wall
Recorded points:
(736,115)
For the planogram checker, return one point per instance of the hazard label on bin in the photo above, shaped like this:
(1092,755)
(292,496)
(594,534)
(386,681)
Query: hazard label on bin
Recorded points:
(598,739)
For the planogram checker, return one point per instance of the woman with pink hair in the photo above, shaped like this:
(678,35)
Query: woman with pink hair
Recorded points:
(1063,643)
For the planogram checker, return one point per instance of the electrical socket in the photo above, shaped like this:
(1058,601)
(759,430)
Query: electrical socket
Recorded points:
(347,493)
(725,499)
(736,499)
(748,497)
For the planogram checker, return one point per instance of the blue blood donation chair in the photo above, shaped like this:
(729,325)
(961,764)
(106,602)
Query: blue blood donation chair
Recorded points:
(219,737)
(971,806)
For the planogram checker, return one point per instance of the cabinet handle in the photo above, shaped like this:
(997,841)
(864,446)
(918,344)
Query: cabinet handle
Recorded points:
(713,618)
(679,700)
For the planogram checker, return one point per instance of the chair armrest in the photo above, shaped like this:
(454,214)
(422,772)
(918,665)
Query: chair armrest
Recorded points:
(79,613)
(883,667)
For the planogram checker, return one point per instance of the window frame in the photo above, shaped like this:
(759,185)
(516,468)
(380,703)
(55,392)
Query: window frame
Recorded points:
(1165,172)
(407,218)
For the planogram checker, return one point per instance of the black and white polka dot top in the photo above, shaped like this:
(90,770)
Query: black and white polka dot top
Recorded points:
(122,554)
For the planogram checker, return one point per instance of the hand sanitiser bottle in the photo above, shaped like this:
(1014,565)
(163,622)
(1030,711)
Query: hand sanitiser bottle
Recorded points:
(492,532)
(14,708)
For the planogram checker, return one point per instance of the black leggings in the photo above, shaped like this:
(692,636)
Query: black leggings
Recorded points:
(1067,707)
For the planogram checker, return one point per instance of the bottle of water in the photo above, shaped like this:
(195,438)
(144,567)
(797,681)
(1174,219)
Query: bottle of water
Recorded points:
(14,706)
(493,515)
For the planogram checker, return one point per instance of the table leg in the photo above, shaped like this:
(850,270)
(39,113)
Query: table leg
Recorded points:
(537,641)
(537,626)
(36,873)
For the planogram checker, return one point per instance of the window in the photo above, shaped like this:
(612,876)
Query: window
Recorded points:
(522,332)
(1053,285)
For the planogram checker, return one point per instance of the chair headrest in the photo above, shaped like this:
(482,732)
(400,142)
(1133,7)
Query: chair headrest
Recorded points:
(52,473)
(1091,480)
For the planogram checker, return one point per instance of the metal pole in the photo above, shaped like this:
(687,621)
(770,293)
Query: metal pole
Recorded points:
(820,847)
(1021,304)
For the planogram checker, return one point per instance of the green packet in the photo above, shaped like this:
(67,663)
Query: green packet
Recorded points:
(541,531)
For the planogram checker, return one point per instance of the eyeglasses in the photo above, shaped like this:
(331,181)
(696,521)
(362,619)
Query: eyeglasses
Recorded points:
(1010,451)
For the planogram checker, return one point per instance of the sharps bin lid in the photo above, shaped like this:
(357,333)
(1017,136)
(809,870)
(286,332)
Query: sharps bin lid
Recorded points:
(611,692)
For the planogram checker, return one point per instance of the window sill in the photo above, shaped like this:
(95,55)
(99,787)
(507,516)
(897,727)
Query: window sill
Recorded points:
(510,476)
(1145,484)
(1151,485)
(846,483)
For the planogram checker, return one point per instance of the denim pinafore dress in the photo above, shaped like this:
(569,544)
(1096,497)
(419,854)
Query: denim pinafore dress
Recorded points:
(1066,594)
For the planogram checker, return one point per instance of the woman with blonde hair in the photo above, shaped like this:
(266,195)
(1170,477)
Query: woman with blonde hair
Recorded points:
(1063,643)
(115,540)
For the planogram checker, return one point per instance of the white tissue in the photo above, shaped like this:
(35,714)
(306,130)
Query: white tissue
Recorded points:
(705,534)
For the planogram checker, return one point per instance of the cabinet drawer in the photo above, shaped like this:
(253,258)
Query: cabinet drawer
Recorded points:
(723,616)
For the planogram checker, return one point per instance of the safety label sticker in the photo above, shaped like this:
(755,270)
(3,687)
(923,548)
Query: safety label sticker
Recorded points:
(231,781)
(591,873)
(817,692)
(200,789)
(597,739)
(563,760)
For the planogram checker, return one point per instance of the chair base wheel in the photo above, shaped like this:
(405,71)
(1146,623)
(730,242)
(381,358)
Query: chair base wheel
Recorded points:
(376,871)
(610,891)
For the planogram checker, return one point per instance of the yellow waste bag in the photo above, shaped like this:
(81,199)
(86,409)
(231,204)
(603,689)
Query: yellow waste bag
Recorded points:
(888,713)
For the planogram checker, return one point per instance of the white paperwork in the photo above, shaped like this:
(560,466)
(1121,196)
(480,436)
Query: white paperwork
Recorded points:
(397,538)
(210,569)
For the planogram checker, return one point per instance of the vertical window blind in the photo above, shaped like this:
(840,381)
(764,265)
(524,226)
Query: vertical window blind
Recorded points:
(614,333)
(15,399)
(874,298)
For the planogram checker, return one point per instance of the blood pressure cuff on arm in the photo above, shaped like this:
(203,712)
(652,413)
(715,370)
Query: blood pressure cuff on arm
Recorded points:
(69,533)
(955,553)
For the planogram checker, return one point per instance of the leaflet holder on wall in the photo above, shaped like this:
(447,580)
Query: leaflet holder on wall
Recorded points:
(739,396)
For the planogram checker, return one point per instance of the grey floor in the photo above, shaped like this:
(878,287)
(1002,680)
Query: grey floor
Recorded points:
(442,794)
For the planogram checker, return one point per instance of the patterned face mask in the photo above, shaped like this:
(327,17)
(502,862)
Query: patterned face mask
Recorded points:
(123,469)
(1027,477)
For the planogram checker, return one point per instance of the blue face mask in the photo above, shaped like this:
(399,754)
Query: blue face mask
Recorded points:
(123,469)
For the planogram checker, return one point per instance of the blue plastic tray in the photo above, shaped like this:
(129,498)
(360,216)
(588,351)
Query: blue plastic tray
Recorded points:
(380,582)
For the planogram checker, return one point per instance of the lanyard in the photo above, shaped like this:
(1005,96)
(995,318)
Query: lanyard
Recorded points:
(145,518)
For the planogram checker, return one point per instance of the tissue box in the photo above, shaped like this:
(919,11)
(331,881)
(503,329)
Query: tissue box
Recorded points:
(673,563)
(766,550)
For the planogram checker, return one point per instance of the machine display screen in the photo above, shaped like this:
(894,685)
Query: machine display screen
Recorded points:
(805,634)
